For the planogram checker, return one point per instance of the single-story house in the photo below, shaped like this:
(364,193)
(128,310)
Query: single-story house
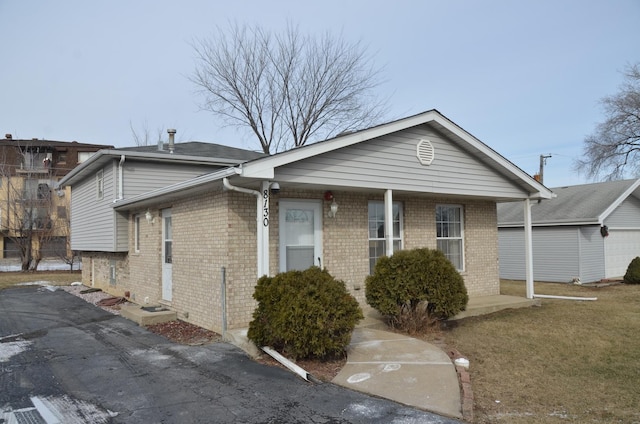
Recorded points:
(199,245)
(587,233)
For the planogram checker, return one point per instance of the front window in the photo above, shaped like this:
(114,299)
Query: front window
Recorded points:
(377,240)
(83,156)
(449,233)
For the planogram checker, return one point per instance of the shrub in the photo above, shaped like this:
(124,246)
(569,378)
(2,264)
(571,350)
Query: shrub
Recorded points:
(415,288)
(632,275)
(304,314)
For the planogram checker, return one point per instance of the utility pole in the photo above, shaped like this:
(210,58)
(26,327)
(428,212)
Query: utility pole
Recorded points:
(543,162)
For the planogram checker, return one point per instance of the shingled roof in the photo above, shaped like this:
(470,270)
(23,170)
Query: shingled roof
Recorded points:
(574,205)
(199,148)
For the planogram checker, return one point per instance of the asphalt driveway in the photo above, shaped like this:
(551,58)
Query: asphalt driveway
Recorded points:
(61,359)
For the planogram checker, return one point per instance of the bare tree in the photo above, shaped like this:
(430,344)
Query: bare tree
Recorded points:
(288,88)
(613,150)
(27,203)
(143,137)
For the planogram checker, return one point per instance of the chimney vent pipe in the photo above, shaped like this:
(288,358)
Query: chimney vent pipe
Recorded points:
(172,134)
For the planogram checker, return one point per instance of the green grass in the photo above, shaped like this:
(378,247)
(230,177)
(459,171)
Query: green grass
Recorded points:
(566,361)
(9,279)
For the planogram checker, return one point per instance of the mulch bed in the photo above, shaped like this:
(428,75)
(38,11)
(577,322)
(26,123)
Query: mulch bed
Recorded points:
(184,333)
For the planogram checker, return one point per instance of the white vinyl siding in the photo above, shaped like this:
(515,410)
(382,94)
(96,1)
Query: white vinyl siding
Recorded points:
(377,235)
(391,162)
(95,225)
(142,177)
(92,220)
(450,233)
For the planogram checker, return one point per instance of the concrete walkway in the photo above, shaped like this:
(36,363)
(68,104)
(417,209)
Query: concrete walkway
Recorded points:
(403,369)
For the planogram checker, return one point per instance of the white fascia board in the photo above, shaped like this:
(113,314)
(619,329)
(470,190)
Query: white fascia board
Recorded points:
(604,215)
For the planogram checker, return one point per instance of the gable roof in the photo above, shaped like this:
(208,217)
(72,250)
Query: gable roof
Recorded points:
(251,172)
(265,168)
(586,204)
(192,152)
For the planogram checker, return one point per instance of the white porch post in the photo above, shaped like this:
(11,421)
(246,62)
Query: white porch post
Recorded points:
(388,221)
(528,248)
(263,230)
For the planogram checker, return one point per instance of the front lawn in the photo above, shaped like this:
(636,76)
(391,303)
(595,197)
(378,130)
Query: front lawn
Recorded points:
(8,279)
(566,361)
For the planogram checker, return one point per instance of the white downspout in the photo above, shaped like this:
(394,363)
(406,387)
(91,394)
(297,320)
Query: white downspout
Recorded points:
(262,223)
(388,221)
(121,178)
(528,248)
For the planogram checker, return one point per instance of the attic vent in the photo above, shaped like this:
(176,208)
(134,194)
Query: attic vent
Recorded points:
(425,152)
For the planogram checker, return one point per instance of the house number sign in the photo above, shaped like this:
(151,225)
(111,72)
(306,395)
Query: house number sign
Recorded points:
(265,208)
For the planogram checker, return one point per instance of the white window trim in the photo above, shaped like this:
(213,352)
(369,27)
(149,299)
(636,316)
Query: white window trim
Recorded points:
(401,236)
(100,184)
(461,238)
(136,233)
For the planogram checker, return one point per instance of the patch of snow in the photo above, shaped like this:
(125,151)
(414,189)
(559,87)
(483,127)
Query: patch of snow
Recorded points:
(358,378)
(61,409)
(44,265)
(7,350)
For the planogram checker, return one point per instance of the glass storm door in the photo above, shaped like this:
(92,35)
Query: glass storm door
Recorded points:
(167,255)
(300,234)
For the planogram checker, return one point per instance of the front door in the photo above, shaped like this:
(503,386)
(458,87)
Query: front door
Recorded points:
(300,234)
(167,255)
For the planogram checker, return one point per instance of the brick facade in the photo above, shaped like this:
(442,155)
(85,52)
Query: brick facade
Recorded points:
(106,271)
(218,230)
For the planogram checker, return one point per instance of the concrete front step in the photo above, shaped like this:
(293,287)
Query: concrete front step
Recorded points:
(148,315)
(488,304)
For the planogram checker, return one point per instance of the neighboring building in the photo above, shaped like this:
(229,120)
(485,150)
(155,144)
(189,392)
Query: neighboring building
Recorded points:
(32,214)
(198,246)
(589,232)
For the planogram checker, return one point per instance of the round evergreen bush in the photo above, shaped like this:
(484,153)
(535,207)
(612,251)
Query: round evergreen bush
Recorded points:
(304,314)
(416,285)
(632,275)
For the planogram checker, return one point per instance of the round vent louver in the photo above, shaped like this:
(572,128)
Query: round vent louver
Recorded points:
(425,152)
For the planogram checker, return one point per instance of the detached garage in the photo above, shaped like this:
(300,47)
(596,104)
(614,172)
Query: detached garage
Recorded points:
(588,232)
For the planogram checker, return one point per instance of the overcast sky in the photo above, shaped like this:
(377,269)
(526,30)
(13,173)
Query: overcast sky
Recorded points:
(525,77)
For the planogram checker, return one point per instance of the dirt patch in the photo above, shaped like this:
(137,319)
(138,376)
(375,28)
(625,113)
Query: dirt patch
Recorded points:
(188,334)
(184,333)
(322,370)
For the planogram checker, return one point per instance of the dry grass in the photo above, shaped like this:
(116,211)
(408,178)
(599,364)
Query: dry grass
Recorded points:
(8,279)
(566,361)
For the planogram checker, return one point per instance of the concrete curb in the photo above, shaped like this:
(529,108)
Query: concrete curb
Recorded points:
(466,392)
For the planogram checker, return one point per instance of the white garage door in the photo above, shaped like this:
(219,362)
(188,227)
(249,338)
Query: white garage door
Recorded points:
(621,246)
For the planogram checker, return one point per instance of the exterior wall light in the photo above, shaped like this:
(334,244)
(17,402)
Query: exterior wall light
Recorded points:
(333,209)
(149,217)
